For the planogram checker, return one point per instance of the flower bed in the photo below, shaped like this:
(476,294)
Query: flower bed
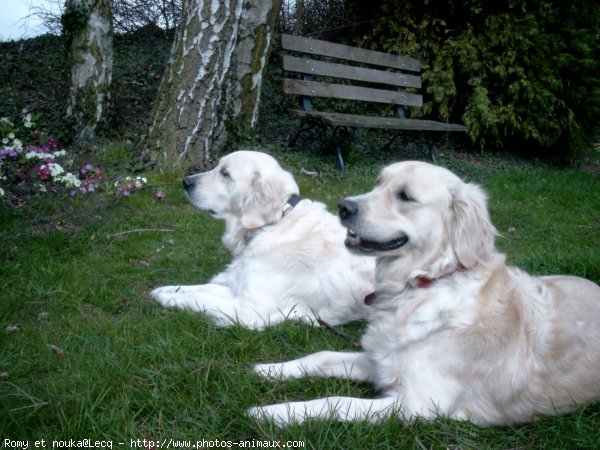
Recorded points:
(42,166)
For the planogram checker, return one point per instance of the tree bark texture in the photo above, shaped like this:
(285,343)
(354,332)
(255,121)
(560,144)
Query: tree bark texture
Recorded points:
(213,80)
(90,60)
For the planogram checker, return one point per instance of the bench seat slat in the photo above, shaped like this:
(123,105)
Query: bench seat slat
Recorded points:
(330,49)
(354,121)
(348,92)
(334,70)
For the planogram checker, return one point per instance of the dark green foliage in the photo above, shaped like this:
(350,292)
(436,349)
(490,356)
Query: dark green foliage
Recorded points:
(74,18)
(523,75)
(34,76)
(139,62)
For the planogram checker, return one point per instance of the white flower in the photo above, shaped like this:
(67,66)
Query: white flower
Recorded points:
(17,144)
(27,121)
(55,169)
(5,141)
(35,155)
(69,180)
(1,192)
(11,135)
(140,182)
(6,121)
(42,156)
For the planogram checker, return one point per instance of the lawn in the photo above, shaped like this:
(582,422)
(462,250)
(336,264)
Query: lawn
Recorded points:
(85,353)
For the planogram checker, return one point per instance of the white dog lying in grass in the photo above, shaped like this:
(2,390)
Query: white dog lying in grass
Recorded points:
(453,330)
(289,259)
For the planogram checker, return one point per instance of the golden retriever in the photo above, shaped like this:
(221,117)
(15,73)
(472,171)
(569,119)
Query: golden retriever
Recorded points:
(453,330)
(289,259)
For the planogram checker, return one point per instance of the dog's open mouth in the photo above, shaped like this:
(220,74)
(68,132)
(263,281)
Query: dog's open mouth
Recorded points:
(356,243)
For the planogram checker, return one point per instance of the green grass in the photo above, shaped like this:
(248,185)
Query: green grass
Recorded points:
(86,354)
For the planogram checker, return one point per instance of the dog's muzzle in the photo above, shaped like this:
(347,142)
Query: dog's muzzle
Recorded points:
(348,211)
(188,184)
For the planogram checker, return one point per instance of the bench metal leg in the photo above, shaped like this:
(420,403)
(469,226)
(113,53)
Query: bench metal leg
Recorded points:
(301,129)
(306,124)
(388,145)
(443,142)
(337,140)
(433,155)
(294,138)
(338,149)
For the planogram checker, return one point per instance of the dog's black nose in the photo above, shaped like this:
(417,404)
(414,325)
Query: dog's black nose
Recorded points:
(187,183)
(347,208)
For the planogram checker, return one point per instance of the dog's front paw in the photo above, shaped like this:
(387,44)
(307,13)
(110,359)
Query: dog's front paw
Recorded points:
(277,414)
(271,371)
(256,412)
(165,295)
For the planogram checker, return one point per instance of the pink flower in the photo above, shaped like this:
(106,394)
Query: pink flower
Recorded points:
(87,168)
(160,195)
(43,172)
(52,142)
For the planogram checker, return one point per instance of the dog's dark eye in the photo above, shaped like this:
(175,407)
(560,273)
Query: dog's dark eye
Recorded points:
(402,195)
(225,173)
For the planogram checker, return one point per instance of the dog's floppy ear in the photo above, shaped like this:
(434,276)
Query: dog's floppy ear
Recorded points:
(265,199)
(472,232)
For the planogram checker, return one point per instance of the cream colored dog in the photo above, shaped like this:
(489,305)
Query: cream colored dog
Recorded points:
(289,259)
(453,330)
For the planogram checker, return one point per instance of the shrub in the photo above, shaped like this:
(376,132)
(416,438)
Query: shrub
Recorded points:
(522,75)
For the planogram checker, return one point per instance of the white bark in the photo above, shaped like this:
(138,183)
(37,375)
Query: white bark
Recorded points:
(251,58)
(205,86)
(91,57)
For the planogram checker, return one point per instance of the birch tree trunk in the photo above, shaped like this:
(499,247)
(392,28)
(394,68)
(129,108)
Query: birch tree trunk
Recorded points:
(88,26)
(213,79)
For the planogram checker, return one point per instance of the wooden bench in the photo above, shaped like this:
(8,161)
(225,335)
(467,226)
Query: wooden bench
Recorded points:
(351,73)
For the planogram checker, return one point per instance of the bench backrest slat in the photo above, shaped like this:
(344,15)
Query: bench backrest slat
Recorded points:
(340,51)
(334,70)
(347,92)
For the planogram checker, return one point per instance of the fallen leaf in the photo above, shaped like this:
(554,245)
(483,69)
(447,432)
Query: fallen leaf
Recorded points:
(56,350)
(308,172)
